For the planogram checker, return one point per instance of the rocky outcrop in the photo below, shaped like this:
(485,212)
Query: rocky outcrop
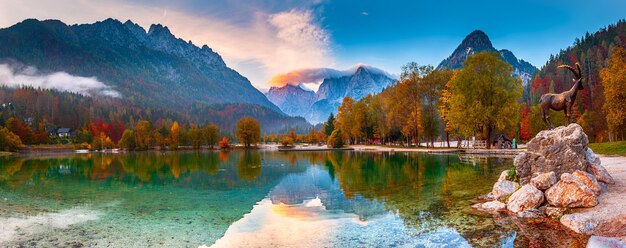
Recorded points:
(595,168)
(527,197)
(544,181)
(588,180)
(571,192)
(558,173)
(502,189)
(560,150)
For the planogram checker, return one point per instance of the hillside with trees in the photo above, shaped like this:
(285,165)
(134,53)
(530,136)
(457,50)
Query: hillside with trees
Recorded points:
(480,99)
(593,52)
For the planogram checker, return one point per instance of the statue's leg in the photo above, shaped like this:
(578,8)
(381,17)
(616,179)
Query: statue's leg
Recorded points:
(566,116)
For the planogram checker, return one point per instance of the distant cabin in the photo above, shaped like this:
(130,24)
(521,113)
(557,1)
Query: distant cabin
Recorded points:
(64,132)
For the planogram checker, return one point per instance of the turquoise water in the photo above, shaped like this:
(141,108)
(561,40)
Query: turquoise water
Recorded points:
(248,199)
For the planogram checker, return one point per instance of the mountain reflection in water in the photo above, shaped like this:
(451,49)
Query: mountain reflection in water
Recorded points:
(244,198)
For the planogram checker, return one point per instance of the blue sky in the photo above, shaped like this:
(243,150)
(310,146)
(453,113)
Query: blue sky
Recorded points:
(263,38)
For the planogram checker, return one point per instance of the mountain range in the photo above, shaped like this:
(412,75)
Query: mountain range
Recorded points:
(149,69)
(315,107)
(477,41)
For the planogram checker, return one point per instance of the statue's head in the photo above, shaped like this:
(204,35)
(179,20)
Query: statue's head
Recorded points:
(578,76)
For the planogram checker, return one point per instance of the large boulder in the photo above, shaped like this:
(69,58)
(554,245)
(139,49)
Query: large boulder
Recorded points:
(502,189)
(528,197)
(595,168)
(561,150)
(588,180)
(570,192)
(544,181)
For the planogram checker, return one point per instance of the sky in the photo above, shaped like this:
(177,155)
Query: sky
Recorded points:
(263,38)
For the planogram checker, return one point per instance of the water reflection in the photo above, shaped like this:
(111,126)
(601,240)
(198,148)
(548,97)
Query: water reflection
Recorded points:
(239,197)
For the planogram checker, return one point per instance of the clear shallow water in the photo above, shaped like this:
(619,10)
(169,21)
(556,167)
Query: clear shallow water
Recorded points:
(244,199)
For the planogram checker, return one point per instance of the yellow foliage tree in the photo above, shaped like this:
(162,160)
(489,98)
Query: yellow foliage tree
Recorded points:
(174,135)
(614,83)
(483,96)
(248,131)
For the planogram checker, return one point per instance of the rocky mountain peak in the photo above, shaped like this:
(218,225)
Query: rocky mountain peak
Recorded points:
(160,30)
(477,41)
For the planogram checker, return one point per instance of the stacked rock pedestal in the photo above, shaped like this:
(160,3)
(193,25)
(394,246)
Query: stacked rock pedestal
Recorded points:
(556,172)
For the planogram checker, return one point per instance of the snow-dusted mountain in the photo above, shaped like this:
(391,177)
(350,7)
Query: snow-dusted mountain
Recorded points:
(293,100)
(478,41)
(315,107)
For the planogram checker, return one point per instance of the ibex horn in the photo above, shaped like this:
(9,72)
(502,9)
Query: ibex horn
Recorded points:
(571,69)
(580,74)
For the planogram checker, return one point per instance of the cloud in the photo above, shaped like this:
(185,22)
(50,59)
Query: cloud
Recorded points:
(365,13)
(256,42)
(15,77)
(311,78)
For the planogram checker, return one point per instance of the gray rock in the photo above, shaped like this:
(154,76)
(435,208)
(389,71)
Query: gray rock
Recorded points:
(561,150)
(491,207)
(502,189)
(503,175)
(570,192)
(595,168)
(544,181)
(528,197)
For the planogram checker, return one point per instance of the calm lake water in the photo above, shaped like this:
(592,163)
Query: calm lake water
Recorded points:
(248,199)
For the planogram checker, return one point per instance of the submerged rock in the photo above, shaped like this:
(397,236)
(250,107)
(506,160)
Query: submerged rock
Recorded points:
(553,212)
(544,181)
(561,150)
(588,180)
(491,207)
(570,192)
(502,189)
(528,197)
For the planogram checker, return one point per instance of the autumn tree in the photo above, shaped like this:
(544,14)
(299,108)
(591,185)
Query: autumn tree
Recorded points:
(9,141)
(614,83)
(484,96)
(174,135)
(128,140)
(196,138)
(311,137)
(248,131)
(335,140)
(224,143)
(211,135)
(143,135)
(345,120)
(432,85)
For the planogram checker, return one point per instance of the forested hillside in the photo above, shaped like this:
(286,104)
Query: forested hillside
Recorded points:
(592,51)
(50,108)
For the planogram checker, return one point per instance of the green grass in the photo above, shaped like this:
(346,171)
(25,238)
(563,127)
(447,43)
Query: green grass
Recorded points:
(609,148)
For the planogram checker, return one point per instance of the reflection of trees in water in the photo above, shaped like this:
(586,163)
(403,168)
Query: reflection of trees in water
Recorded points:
(182,169)
(427,191)
(249,165)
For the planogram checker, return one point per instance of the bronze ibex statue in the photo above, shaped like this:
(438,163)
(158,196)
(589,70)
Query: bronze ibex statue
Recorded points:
(563,101)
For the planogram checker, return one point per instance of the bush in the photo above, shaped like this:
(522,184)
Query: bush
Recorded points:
(335,140)
(224,143)
(511,175)
(287,141)
(9,141)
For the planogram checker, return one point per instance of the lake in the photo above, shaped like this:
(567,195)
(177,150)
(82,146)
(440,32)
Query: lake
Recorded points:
(249,199)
